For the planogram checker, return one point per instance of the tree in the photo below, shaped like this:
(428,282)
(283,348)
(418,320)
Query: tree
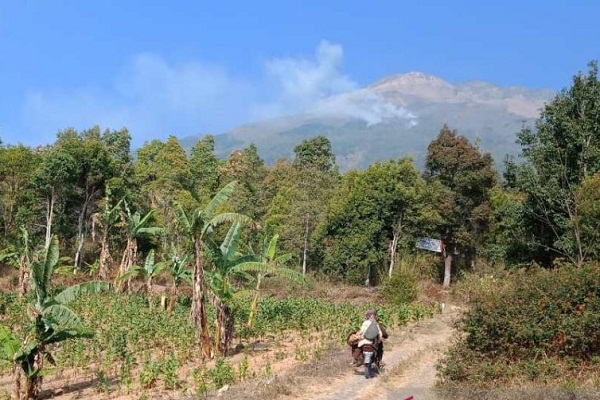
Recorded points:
(17,165)
(135,226)
(465,176)
(247,168)
(371,214)
(198,224)
(204,167)
(299,203)
(53,180)
(224,259)
(315,153)
(52,323)
(104,222)
(94,168)
(561,153)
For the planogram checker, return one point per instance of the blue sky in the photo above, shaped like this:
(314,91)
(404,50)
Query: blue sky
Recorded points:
(195,67)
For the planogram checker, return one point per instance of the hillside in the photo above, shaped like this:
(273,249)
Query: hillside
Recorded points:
(395,117)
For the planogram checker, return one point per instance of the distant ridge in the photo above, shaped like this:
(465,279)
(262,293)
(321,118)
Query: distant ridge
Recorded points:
(394,117)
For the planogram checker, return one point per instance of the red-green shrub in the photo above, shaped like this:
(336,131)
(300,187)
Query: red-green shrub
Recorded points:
(544,312)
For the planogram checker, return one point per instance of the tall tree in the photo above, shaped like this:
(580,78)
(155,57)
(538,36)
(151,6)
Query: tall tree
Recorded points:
(299,205)
(315,153)
(247,168)
(466,176)
(164,176)
(53,180)
(373,213)
(17,165)
(204,167)
(94,170)
(562,151)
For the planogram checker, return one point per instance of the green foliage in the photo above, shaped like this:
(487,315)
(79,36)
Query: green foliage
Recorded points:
(248,169)
(222,373)
(51,321)
(529,323)
(462,177)
(366,213)
(150,372)
(315,153)
(561,153)
(401,288)
(204,167)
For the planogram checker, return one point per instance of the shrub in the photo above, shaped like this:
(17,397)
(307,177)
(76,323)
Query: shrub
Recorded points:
(401,288)
(535,324)
(222,374)
(543,312)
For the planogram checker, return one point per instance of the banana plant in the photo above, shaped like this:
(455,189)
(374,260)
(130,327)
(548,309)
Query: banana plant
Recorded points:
(149,270)
(135,225)
(198,225)
(266,263)
(103,222)
(177,264)
(52,322)
(222,281)
(19,257)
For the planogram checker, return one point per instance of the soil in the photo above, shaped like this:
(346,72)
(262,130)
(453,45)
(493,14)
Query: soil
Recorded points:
(410,366)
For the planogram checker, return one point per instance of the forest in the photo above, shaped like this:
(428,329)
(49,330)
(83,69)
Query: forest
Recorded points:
(179,243)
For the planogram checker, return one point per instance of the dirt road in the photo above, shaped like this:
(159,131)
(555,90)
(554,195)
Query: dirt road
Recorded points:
(410,358)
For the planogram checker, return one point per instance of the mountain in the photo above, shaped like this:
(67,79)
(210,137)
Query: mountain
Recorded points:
(395,117)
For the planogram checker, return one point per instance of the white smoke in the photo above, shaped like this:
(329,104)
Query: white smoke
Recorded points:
(365,105)
(318,87)
(155,98)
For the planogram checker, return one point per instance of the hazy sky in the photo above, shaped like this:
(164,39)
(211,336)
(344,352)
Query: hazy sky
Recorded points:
(195,67)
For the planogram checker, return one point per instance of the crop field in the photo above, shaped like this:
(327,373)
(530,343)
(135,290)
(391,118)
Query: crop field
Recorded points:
(141,352)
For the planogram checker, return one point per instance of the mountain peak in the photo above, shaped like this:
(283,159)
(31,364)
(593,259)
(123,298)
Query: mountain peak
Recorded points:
(409,79)
(417,84)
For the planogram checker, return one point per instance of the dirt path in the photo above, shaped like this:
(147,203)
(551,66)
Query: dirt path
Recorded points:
(410,358)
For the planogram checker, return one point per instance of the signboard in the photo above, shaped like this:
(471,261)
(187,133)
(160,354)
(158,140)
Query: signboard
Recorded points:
(430,244)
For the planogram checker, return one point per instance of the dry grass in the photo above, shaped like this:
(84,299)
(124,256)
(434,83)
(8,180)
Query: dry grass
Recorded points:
(319,286)
(334,359)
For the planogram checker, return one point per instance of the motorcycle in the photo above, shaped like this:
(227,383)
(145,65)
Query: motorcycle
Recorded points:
(357,352)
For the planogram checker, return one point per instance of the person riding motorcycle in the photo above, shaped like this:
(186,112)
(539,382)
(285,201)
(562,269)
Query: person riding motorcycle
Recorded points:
(368,350)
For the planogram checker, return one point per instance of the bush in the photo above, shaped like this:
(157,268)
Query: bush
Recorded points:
(535,325)
(401,288)
(543,312)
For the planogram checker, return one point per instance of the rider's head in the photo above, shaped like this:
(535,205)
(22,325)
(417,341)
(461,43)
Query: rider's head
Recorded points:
(369,314)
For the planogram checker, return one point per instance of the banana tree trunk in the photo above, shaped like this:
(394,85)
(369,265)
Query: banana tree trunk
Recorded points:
(198,311)
(149,291)
(105,257)
(254,305)
(23,277)
(127,261)
(33,384)
(224,328)
(172,298)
